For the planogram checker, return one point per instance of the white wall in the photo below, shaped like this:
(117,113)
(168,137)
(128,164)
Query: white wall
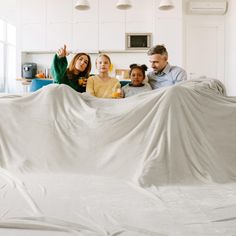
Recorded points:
(230,48)
(8,11)
(168,30)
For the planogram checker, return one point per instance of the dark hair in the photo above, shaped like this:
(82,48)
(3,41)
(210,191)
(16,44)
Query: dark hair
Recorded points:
(71,70)
(158,49)
(143,68)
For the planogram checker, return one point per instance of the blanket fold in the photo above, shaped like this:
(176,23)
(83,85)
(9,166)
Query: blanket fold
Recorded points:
(182,134)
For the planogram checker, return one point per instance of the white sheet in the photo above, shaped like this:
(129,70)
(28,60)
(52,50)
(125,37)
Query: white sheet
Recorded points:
(182,134)
(70,204)
(72,164)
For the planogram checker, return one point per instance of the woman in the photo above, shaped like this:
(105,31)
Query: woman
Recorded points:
(76,74)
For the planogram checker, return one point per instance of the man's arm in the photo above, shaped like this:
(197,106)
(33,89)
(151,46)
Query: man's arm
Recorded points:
(180,76)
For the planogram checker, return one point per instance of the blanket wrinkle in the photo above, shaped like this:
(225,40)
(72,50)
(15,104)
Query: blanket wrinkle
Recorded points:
(177,135)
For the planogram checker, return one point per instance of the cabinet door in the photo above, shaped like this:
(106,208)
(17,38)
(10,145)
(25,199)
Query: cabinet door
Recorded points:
(85,37)
(32,16)
(90,15)
(112,26)
(109,13)
(85,28)
(141,11)
(32,11)
(33,37)
(59,11)
(141,27)
(139,18)
(112,36)
(57,35)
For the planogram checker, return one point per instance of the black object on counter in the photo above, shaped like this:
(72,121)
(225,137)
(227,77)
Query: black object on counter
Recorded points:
(29,70)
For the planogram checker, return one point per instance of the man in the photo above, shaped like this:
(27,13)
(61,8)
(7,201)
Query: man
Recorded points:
(163,73)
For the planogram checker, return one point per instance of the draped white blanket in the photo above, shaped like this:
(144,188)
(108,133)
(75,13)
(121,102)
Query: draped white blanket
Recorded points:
(62,152)
(182,134)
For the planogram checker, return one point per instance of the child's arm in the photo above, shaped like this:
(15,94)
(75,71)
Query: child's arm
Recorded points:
(90,86)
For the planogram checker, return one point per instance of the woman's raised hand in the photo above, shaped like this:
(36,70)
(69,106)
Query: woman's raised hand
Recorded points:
(62,52)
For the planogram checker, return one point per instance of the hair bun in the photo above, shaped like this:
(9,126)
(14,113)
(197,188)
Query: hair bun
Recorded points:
(144,67)
(133,65)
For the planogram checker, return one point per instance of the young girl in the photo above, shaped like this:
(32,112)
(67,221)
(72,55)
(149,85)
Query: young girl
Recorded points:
(76,74)
(137,76)
(102,85)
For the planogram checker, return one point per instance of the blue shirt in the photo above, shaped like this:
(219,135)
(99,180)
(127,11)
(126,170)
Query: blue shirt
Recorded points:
(170,75)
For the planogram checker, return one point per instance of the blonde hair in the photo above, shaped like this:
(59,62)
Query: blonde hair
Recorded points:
(103,55)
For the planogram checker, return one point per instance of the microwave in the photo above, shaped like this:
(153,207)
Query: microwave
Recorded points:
(138,41)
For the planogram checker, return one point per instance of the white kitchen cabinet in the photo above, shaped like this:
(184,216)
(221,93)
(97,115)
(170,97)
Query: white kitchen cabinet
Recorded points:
(141,11)
(32,19)
(141,27)
(101,28)
(85,28)
(85,37)
(59,11)
(90,15)
(109,13)
(31,12)
(139,18)
(112,36)
(57,35)
(33,37)
(112,26)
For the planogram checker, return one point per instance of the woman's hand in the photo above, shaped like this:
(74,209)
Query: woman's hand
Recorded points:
(82,81)
(62,52)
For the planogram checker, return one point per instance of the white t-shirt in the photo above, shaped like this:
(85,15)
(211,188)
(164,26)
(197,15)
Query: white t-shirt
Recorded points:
(129,90)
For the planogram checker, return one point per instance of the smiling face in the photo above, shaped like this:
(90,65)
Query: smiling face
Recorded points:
(81,63)
(103,64)
(137,77)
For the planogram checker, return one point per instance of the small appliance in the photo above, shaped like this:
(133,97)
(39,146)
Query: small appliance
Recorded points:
(138,41)
(29,70)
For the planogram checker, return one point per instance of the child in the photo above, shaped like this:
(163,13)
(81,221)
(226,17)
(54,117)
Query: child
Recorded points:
(76,74)
(102,85)
(137,76)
